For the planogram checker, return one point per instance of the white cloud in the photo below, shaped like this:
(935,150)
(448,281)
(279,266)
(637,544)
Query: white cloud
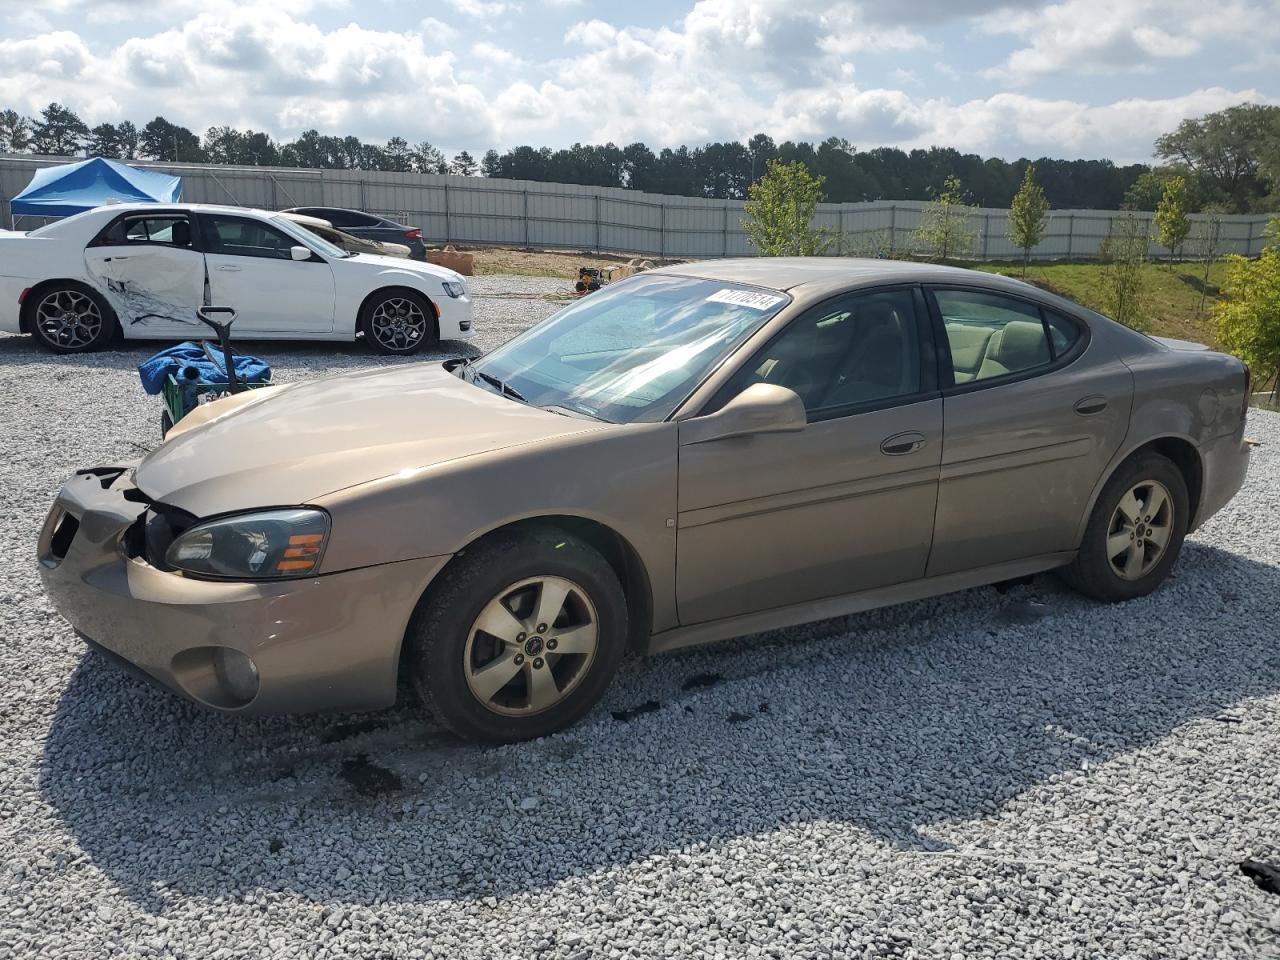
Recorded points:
(261,68)
(1085,36)
(484,8)
(493,54)
(798,69)
(438,31)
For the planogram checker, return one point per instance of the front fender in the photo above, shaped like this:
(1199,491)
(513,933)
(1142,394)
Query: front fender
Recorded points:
(621,477)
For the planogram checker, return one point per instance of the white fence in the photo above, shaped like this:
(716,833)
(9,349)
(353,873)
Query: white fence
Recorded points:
(476,211)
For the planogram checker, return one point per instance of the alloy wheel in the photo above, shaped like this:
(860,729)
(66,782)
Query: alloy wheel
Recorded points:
(69,319)
(399,324)
(1140,529)
(531,646)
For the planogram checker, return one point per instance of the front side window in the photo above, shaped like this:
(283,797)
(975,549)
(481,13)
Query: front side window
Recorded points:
(858,349)
(242,237)
(992,336)
(633,351)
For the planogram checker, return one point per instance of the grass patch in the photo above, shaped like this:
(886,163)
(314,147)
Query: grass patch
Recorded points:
(1171,296)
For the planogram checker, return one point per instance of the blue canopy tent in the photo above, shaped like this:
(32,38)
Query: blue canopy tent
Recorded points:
(75,187)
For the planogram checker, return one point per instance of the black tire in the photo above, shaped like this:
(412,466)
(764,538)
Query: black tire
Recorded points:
(166,423)
(441,627)
(69,337)
(420,328)
(1092,572)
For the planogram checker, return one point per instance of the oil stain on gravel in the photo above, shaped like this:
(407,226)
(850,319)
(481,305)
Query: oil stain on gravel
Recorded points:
(369,779)
(345,731)
(631,713)
(700,681)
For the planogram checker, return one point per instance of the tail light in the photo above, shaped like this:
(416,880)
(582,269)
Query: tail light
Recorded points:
(414,234)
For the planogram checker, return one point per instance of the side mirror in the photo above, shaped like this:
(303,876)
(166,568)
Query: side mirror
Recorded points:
(761,408)
(300,253)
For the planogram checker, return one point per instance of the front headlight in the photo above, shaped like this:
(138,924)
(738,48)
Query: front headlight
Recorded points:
(454,288)
(270,545)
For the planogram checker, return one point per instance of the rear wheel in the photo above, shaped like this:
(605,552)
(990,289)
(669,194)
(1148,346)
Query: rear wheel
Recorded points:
(519,638)
(1135,532)
(398,322)
(70,318)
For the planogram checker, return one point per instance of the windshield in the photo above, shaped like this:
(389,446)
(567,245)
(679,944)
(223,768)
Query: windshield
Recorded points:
(634,350)
(314,240)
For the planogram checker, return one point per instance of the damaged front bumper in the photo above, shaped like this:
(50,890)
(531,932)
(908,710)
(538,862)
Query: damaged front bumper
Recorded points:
(330,642)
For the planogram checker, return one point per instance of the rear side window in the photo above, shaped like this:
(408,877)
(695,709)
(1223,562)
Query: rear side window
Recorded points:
(1063,333)
(171,231)
(991,336)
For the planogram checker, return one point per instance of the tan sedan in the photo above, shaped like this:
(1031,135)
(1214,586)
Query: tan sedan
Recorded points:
(695,453)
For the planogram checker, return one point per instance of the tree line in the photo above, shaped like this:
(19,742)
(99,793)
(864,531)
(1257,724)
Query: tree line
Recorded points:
(1230,161)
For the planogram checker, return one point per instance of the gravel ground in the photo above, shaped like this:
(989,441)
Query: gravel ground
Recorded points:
(986,774)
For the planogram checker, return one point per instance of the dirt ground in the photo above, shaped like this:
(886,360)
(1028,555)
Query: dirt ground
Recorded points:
(543,263)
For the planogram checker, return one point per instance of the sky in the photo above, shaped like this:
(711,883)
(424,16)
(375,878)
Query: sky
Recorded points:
(1064,78)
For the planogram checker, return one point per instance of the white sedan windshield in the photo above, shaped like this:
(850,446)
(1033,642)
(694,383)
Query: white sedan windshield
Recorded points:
(314,240)
(634,350)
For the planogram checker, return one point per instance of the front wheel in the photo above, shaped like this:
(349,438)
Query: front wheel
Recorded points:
(70,318)
(398,322)
(1135,531)
(519,638)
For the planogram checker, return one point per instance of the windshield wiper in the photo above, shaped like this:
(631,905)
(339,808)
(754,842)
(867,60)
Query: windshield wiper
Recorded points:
(502,385)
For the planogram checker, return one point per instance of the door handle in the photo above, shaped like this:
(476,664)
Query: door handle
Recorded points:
(1088,406)
(109,259)
(901,443)
(228,268)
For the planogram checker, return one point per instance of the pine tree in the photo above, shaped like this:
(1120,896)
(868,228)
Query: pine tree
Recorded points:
(59,132)
(15,131)
(463,164)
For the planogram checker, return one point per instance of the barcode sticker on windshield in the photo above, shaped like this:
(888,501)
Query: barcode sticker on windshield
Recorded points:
(746,298)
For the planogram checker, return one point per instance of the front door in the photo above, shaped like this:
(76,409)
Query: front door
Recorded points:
(845,504)
(252,270)
(1028,433)
(151,273)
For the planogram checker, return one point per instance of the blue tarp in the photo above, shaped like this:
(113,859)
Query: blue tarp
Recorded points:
(190,364)
(75,187)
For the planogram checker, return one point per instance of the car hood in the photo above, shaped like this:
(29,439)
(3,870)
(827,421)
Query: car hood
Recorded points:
(312,438)
(380,263)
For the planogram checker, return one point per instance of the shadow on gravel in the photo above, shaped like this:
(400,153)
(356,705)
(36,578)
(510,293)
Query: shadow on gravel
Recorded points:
(895,721)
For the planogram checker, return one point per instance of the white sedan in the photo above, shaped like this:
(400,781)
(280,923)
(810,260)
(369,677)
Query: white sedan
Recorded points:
(142,270)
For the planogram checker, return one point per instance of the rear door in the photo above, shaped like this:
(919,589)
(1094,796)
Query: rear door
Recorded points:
(1032,419)
(150,269)
(252,270)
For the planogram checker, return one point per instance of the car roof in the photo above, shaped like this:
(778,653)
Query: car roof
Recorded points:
(819,274)
(306,221)
(115,208)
